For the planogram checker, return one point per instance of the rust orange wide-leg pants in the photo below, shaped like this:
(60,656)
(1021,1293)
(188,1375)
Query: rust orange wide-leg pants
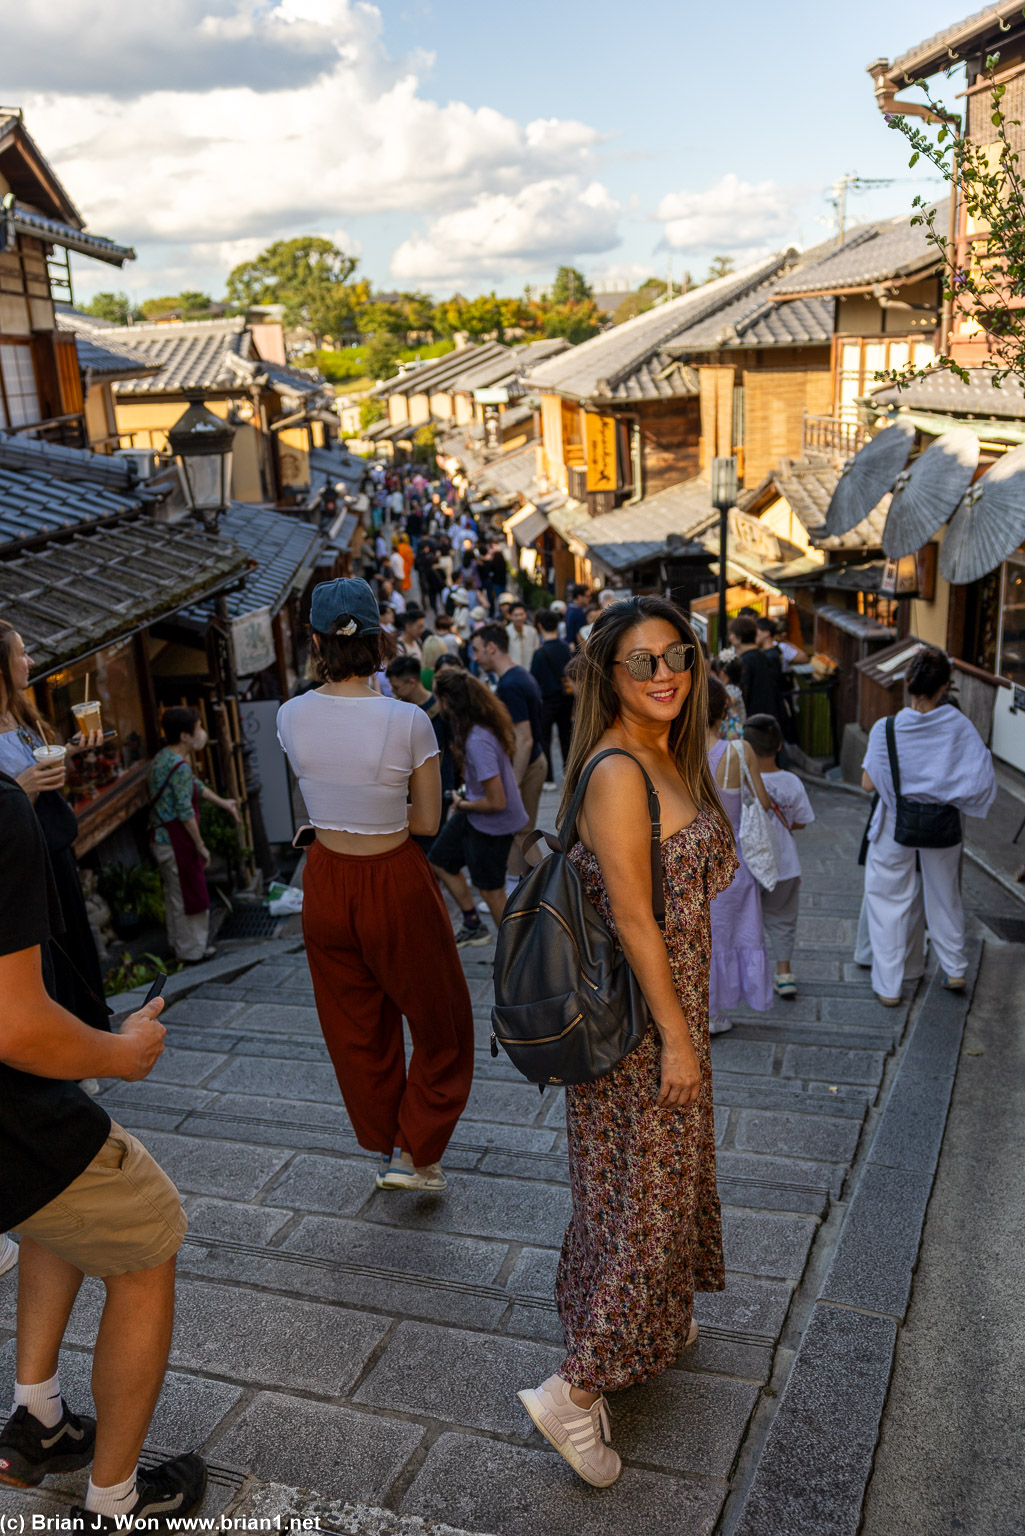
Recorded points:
(380,945)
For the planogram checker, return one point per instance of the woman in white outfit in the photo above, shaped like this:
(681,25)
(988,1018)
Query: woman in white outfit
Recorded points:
(942,760)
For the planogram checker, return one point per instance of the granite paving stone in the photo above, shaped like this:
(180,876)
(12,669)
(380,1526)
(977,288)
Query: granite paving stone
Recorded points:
(339,1186)
(788,1135)
(833,1066)
(488,1485)
(729,1055)
(199,1011)
(466,1379)
(762,1243)
(876,1253)
(186,1067)
(285,1439)
(746,1306)
(516,1103)
(844,1100)
(683,1422)
(228,1169)
(272,1341)
(910,1133)
(232,1221)
(416,1253)
(483,1207)
(812,1472)
(862,1012)
(303,1080)
(280,1016)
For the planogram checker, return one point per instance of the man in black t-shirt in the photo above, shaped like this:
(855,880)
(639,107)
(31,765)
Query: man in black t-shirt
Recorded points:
(547,668)
(522,698)
(761,675)
(85,1198)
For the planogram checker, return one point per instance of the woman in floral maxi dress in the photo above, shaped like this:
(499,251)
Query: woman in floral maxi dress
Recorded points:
(646,1232)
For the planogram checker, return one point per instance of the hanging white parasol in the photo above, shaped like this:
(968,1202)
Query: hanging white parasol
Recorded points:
(927,492)
(867,477)
(989,524)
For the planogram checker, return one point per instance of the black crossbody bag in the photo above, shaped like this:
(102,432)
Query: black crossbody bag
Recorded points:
(917,823)
(568,1007)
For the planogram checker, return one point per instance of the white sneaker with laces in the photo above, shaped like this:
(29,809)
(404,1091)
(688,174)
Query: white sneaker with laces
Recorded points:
(581,1435)
(8,1253)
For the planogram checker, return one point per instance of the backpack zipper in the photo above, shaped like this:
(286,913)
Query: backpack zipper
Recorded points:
(545,1040)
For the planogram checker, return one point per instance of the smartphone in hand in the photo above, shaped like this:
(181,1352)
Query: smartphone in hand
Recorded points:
(160,982)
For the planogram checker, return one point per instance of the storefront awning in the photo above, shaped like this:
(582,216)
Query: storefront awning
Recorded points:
(526,525)
(70,599)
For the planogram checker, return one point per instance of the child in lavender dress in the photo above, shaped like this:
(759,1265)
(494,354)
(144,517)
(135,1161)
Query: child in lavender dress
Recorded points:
(740,971)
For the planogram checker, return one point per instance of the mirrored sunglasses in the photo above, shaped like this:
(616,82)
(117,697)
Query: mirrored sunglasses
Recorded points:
(643,665)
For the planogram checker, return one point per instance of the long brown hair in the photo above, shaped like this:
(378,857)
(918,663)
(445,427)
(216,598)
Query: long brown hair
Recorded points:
(466,702)
(16,701)
(598,703)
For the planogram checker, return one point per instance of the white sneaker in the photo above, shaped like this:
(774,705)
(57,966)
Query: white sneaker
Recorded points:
(718,1024)
(8,1253)
(402,1175)
(581,1435)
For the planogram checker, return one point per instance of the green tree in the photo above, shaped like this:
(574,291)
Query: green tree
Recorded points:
(371,410)
(645,298)
(117,307)
(310,277)
(380,354)
(570,286)
(989,178)
(575,320)
(483,316)
(192,304)
(720,266)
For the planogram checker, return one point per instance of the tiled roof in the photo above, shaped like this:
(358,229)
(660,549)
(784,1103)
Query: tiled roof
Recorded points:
(631,535)
(71,598)
(808,488)
(942,48)
(941,390)
(873,253)
(623,363)
(303,382)
(17,451)
(755,321)
(105,359)
(510,474)
(198,354)
(20,220)
(282,547)
(338,464)
(505,369)
(33,505)
(436,374)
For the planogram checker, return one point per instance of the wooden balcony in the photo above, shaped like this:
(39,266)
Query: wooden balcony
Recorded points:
(65,431)
(833,436)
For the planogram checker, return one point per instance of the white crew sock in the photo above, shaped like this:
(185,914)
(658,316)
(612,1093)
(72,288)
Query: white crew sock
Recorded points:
(116,1500)
(42,1399)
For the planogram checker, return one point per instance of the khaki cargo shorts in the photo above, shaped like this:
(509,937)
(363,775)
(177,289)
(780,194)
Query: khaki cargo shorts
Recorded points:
(120,1215)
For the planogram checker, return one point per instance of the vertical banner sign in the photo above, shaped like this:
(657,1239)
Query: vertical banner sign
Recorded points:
(601,452)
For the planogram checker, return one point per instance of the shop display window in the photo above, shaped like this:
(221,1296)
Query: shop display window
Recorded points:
(1011,663)
(113,682)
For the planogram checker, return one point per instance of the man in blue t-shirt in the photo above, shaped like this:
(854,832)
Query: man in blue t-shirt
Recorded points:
(522,698)
(576,614)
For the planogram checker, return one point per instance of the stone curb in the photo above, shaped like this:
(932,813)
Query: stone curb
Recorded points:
(813,1472)
(222,967)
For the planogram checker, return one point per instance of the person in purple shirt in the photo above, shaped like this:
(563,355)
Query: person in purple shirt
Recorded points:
(479,833)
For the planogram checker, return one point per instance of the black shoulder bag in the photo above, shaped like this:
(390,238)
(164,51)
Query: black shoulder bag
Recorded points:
(918,823)
(568,1007)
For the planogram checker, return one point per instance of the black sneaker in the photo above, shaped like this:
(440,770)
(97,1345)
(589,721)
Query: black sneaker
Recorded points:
(171,1490)
(29,1451)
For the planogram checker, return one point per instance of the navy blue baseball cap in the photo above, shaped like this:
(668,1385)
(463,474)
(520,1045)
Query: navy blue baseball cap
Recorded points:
(350,596)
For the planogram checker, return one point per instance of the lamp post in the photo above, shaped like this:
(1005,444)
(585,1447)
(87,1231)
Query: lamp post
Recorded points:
(724,496)
(201,444)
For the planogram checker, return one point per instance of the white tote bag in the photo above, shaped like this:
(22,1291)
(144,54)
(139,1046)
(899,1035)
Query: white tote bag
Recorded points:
(757,838)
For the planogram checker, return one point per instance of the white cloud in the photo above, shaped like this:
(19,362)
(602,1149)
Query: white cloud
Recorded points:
(733,215)
(231,161)
(625,275)
(546,221)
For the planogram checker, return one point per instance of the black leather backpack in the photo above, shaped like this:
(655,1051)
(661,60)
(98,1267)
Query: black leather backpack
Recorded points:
(567,1005)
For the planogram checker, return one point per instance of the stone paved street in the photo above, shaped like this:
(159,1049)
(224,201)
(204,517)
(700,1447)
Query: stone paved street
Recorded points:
(367,1346)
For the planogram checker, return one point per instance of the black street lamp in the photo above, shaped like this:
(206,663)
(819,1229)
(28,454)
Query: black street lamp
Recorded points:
(201,444)
(724,496)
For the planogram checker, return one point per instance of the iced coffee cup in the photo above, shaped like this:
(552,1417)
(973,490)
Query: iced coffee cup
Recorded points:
(88,717)
(49,756)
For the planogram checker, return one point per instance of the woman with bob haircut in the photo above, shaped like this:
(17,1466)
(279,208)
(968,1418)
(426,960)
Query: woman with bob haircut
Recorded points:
(646,1230)
(378,936)
(941,759)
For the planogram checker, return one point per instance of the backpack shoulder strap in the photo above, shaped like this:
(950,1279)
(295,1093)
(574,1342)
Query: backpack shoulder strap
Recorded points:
(567,832)
(891,747)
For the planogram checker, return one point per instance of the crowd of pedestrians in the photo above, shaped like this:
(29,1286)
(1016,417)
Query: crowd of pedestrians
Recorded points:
(437,708)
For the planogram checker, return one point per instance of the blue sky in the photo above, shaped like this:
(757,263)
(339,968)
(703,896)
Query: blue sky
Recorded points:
(457,145)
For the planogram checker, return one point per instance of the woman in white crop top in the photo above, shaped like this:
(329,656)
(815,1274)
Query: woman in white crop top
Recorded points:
(378,937)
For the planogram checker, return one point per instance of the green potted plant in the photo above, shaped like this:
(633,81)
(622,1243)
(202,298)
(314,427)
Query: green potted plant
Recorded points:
(133,894)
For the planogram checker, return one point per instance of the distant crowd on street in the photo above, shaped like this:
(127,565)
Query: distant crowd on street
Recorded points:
(437,707)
